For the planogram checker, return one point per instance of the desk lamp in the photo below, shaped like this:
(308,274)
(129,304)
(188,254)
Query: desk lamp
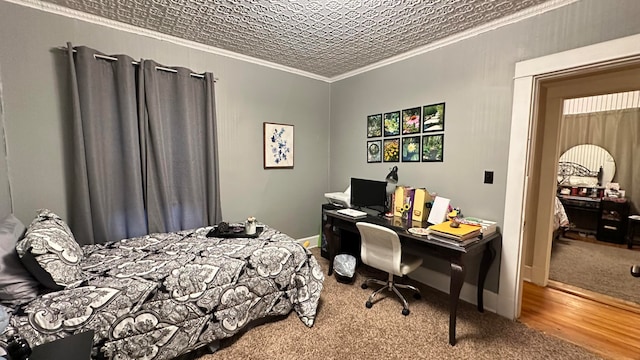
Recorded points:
(392,181)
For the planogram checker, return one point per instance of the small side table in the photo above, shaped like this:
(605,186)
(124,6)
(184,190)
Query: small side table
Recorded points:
(633,230)
(74,347)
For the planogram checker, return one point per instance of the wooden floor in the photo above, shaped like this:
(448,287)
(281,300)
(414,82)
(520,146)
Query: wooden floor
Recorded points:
(610,330)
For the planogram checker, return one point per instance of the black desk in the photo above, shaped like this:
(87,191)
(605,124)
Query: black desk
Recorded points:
(583,212)
(456,255)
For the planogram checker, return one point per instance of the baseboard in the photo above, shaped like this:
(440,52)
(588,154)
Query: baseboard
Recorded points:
(441,282)
(526,273)
(313,241)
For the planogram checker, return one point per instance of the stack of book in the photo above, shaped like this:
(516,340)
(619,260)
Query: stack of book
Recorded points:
(462,235)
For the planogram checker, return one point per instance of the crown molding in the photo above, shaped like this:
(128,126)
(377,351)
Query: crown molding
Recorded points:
(521,15)
(90,18)
(498,23)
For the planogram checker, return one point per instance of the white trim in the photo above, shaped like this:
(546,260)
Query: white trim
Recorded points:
(526,72)
(5,145)
(313,241)
(495,24)
(598,53)
(514,218)
(78,15)
(526,273)
(441,282)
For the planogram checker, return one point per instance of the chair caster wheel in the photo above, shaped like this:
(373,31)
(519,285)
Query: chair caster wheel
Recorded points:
(417,296)
(368,304)
(364,286)
(405,312)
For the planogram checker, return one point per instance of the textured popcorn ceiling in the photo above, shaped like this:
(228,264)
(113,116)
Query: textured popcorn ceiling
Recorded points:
(327,38)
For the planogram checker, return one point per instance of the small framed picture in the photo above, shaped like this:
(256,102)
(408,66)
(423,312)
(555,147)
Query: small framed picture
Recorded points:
(390,150)
(374,151)
(411,121)
(392,123)
(411,149)
(374,125)
(278,146)
(432,148)
(433,117)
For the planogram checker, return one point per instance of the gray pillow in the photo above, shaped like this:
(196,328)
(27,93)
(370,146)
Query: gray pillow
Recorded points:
(50,252)
(17,285)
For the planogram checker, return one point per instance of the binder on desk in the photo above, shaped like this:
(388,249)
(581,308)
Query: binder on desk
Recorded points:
(421,204)
(403,195)
(462,232)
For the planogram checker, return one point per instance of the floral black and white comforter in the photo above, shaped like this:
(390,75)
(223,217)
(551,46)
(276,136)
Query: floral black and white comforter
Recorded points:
(163,295)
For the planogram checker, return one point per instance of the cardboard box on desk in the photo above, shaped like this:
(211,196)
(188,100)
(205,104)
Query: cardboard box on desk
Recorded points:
(421,205)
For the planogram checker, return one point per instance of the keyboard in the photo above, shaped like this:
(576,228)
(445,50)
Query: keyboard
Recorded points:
(352,213)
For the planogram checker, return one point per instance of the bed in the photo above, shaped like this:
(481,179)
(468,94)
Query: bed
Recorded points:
(560,219)
(161,295)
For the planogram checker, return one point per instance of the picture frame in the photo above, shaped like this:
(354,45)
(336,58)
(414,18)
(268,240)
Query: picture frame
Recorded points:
(391,123)
(433,117)
(374,126)
(433,148)
(391,150)
(411,121)
(411,149)
(278,146)
(374,151)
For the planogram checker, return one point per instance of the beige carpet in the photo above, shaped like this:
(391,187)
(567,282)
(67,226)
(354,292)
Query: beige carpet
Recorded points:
(346,329)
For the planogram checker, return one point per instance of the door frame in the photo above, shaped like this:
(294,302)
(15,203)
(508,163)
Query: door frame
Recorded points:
(526,92)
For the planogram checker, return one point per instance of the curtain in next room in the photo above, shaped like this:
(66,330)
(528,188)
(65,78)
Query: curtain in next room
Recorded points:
(617,131)
(144,147)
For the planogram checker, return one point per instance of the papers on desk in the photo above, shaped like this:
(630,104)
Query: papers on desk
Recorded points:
(487,227)
(455,242)
(439,210)
(356,214)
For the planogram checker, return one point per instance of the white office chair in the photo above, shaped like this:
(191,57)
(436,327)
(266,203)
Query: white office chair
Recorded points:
(381,249)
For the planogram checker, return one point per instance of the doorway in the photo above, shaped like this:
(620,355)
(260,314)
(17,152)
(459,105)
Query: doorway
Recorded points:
(598,136)
(544,153)
(533,141)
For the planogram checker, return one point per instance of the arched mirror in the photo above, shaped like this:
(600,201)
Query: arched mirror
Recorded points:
(581,166)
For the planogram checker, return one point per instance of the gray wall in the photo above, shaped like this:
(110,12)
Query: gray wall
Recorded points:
(35,87)
(475,79)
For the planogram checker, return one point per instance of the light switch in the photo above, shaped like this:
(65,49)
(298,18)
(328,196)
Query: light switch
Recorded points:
(488,177)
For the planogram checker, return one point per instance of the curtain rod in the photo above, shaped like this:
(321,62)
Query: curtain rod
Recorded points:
(105,57)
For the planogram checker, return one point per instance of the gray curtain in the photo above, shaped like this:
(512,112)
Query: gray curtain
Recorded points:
(142,162)
(181,172)
(618,132)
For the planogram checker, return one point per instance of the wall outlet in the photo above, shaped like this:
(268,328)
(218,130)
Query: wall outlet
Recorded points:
(488,177)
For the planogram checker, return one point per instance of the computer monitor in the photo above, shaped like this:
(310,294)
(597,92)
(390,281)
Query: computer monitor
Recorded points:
(370,194)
